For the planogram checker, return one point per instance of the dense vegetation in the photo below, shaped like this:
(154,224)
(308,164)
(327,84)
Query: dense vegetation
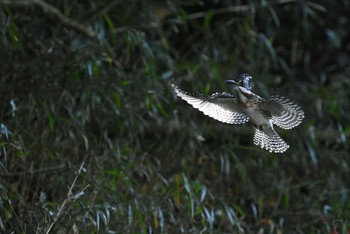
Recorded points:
(94,140)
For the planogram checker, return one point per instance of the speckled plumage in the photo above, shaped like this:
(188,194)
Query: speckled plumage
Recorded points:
(247,106)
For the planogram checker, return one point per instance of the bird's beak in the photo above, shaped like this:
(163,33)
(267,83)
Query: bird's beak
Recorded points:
(231,82)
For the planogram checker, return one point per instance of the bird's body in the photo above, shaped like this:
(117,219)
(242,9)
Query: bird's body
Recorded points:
(247,106)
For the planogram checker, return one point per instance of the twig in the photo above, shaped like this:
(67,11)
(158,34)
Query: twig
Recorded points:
(220,11)
(69,197)
(233,9)
(89,32)
(56,12)
(202,14)
(41,170)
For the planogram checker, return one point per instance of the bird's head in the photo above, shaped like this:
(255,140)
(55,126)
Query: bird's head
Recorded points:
(242,80)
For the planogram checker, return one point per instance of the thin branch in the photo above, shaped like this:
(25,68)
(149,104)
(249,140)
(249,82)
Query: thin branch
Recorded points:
(54,11)
(89,32)
(69,197)
(202,14)
(232,9)
(219,11)
(41,170)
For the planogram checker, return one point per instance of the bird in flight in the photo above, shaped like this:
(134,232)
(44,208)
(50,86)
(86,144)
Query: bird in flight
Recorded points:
(247,106)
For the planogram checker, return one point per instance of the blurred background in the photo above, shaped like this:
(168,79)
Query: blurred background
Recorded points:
(93,139)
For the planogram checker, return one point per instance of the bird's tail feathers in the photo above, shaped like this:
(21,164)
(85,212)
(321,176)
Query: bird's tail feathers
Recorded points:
(272,142)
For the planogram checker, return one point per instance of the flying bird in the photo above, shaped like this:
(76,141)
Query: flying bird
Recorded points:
(247,106)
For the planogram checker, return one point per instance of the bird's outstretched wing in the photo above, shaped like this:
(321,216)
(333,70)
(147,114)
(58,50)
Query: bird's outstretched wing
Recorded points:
(223,107)
(271,142)
(285,113)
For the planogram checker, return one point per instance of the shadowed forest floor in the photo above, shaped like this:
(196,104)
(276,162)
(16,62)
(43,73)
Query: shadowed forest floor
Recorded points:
(94,140)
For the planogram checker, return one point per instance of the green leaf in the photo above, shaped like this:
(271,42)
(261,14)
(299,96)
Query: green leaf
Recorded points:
(111,27)
(286,199)
(117,101)
(238,209)
(334,108)
(15,33)
(207,20)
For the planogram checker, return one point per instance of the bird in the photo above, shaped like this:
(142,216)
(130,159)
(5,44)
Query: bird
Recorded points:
(245,106)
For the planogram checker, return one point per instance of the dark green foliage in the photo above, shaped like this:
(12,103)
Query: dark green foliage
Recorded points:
(99,97)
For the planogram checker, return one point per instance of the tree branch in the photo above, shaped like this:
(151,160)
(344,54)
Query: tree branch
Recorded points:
(54,11)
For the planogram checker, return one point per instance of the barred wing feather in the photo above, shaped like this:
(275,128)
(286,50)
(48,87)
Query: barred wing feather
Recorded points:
(223,107)
(285,113)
